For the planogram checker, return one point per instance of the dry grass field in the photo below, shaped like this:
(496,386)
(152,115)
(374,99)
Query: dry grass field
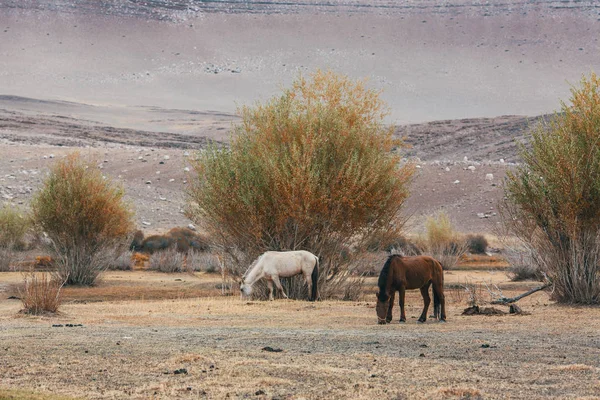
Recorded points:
(138,328)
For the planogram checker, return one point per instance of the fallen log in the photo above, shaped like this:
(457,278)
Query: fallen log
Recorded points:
(505,300)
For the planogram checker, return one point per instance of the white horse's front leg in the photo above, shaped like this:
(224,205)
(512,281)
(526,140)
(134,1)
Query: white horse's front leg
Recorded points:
(278,284)
(270,286)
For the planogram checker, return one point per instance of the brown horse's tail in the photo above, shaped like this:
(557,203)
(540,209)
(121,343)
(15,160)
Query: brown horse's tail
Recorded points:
(315,280)
(437,312)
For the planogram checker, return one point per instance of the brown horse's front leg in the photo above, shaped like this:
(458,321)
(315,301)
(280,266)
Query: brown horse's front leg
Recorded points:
(388,318)
(426,302)
(401,293)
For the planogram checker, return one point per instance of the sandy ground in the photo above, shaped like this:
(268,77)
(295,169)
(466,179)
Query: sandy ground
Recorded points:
(130,349)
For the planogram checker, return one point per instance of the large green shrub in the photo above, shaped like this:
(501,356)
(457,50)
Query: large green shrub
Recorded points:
(85,217)
(553,198)
(314,168)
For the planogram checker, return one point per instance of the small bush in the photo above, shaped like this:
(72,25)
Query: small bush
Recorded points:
(524,272)
(40,294)
(121,261)
(85,217)
(442,242)
(169,261)
(14,225)
(477,244)
(201,261)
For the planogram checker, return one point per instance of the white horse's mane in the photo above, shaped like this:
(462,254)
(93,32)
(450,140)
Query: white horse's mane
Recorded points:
(253,265)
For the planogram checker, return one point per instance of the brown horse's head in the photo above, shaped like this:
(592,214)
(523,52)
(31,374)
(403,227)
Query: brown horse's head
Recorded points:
(383,303)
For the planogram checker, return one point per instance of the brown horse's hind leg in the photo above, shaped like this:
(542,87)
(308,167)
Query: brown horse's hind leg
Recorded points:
(388,318)
(426,302)
(438,288)
(401,293)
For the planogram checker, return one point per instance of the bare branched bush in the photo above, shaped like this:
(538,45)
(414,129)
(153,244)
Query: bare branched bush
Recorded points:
(553,198)
(202,261)
(169,261)
(443,242)
(85,218)
(40,293)
(121,260)
(522,265)
(314,169)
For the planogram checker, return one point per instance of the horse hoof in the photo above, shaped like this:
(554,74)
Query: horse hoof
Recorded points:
(381,322)
(402,321)
(420,321)
(442,320)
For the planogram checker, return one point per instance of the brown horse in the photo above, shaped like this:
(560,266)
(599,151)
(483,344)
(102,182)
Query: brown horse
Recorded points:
(402,273)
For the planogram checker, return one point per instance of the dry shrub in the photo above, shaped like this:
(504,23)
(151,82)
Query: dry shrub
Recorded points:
(40,293)
(121,260)
(169,261)
(522,265)
(205,262)
(477,244)
(314,168)
(139,260)
(471,293)
(552,200)
(443,242)
(43,262)
(15,223)
(10,259)
(85,217)
(393,244)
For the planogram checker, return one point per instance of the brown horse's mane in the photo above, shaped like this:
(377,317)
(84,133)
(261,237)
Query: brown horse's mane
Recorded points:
(383,278)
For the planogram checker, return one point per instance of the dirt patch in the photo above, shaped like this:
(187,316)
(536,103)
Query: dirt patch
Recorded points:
(330,349)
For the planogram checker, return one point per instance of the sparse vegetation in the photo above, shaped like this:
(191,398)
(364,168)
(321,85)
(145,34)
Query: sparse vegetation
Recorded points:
(40,293)
(85,217)
(314,168)
(443,242)
(14,225)
(477,244)
(203,261)
(122,260)
(553,198)
(169,260)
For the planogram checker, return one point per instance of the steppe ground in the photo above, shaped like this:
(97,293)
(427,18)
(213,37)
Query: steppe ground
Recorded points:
(131,348)
(139,86)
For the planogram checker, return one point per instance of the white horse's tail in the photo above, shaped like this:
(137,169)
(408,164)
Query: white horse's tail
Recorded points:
(315,280)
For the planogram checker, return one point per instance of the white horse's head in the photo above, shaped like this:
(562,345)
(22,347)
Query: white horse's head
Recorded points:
(245,289)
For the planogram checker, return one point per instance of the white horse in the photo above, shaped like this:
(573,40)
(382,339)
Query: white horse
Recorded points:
(274,264)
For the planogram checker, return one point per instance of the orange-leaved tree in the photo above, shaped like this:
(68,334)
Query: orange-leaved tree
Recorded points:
(315,168)
(553,197)
(85,217)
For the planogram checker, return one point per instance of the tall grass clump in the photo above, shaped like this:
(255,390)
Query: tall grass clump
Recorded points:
(553,198)
(85,217)
(40,293)
(443,242)
(314,168)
